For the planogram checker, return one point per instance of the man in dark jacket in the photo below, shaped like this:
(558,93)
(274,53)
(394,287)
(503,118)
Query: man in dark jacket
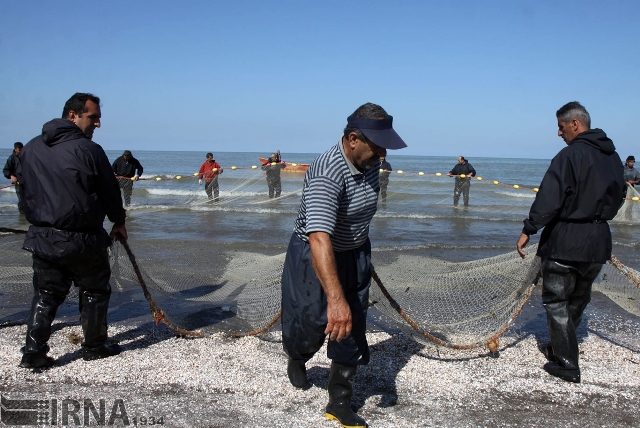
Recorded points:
(385,172)
(272,167)
(463,172)
(582,189)
(631,175)
(125,168)
(9,171)
(68,188)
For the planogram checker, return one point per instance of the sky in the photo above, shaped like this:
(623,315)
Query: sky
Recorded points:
(478,79)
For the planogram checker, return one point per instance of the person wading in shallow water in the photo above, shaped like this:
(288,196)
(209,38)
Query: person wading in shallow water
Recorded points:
(582,189)
(463,184)
(210,170)
(68,188)
(385,172)
(339,199)
(9,171)
(127,169)
(272,167)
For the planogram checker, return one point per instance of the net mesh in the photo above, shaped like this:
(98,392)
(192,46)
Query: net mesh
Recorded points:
(199,289)
(458,305)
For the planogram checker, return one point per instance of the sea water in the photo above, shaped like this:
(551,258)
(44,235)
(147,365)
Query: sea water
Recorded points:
(418,215)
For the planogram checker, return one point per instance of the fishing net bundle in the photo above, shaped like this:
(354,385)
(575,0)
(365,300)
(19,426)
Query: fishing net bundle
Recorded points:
(457,305)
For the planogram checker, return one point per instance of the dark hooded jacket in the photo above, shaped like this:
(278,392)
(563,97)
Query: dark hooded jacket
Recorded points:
(68,188)
(463,168)
(11,165)
(582,189)
(127,167)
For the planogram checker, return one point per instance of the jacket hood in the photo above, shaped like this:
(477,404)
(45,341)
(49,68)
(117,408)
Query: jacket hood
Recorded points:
(58,131)
(596,138)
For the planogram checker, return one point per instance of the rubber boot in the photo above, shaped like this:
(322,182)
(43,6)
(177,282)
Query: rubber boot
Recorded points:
(93,315)
(44,307)
(297,373)
(340,392)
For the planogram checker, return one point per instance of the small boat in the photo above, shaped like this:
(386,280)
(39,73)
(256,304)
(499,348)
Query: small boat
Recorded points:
(291,167)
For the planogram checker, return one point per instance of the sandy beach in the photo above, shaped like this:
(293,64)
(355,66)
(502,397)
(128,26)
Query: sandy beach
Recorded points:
(220,381)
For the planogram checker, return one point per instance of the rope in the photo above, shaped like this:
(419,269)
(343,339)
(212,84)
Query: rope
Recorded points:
(157,313)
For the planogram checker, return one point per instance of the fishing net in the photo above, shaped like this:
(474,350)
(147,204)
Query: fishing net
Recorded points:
(199,287)
(629,212)
(458,305)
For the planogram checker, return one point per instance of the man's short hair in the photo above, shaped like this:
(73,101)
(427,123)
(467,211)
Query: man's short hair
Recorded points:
(18,145)
(209,155)
(126,153)
(574,110)
(78,103)
(367,111)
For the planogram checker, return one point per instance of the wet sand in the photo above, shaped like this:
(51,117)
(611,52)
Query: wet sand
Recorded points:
(220,381)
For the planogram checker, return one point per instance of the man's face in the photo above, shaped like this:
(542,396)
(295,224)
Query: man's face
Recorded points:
(367,154)
(630,163)
(460,160)
(126,157)
(209,158)
(89,120)
(17,150)
(568,130)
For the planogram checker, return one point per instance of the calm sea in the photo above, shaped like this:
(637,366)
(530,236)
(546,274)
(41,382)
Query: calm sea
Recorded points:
(418,214)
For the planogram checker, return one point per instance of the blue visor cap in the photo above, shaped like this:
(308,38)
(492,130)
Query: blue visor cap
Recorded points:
(379,131)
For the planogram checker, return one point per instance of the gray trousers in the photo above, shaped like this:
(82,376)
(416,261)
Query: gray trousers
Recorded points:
(212,187)
(304,304)
(275,186)
(126,184)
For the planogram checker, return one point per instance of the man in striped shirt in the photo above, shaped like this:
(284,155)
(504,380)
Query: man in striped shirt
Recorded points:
(339,199)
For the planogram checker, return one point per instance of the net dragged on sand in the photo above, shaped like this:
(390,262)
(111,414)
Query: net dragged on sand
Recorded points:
(457,305)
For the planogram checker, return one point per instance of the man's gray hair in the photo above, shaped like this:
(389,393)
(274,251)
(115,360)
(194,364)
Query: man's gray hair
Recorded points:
(574,110)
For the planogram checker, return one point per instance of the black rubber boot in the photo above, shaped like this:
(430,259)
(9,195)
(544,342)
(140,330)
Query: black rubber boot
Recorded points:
(44,307)
(557,370)
(93,315)
(547,350)
(297,373)
(340,391)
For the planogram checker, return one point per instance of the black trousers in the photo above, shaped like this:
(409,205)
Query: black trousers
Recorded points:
(20,204)
(52,281)
(566,291)
(462,185)
(126,184)
(304,304)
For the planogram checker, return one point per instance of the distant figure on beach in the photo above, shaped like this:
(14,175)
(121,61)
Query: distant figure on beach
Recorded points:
(210,170)
(9,171)
(462,185)
(127,170)
(68,188)
(272,167)
(631,175)
(339,199)
(385,172)
(582,189)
